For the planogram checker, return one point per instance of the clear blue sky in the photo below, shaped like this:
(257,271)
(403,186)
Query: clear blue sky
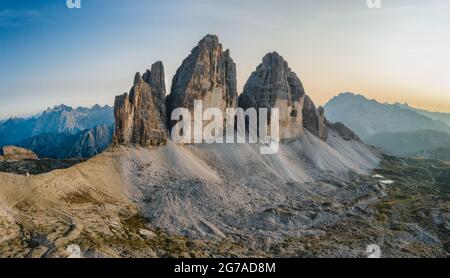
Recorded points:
(50,54)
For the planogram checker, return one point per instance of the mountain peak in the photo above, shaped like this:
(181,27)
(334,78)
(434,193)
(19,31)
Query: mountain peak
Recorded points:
(59,108)
(274,85)
(210,39)
(273,56)
(207,74)
(138,79)
(139,115)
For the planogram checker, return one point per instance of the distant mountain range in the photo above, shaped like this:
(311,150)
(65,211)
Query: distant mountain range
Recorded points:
(369,117)
(439,154)
(85,144)
(407,143)
(398,129)
(438,116)
(62,131)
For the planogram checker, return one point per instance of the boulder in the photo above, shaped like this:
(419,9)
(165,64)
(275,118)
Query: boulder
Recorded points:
(275,85)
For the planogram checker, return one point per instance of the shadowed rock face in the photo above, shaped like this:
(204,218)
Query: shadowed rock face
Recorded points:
(207,74)
(274,85)
(343,131)
(139,114)
(91,142)
(86,144)
(314,119)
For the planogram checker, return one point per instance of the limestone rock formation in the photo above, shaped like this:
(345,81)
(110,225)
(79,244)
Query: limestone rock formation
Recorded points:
(157,81)
(274,85)
(314,119)
(139,114)
(13,153)
(207,74)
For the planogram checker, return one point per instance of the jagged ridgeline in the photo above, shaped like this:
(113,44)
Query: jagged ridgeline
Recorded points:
(143,116)
(61,132)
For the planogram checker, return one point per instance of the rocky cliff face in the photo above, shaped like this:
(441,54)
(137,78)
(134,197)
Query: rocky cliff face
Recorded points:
(314,119)
(157,81)
(343,131)
(139,114)
(91,142)
(13,153)
(207,74)
(274,85)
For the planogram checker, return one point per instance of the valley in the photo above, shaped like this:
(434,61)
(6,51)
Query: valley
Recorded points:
(100,207)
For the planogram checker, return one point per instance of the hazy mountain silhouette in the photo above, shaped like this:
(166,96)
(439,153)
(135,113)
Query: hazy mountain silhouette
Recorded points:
(439,116)
(439,154)
(408,142)
(369,117)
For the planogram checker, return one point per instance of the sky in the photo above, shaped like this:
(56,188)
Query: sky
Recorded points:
(50,54)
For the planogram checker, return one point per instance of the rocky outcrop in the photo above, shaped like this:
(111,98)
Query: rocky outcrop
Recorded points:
(1,158)
(314,119)
(12,153)
(207,74)
(139,114)
(274,85)
(157,81)
(343,131)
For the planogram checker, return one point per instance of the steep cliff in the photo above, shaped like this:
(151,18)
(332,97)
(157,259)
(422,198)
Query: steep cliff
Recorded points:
(207,74)
(140,115)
